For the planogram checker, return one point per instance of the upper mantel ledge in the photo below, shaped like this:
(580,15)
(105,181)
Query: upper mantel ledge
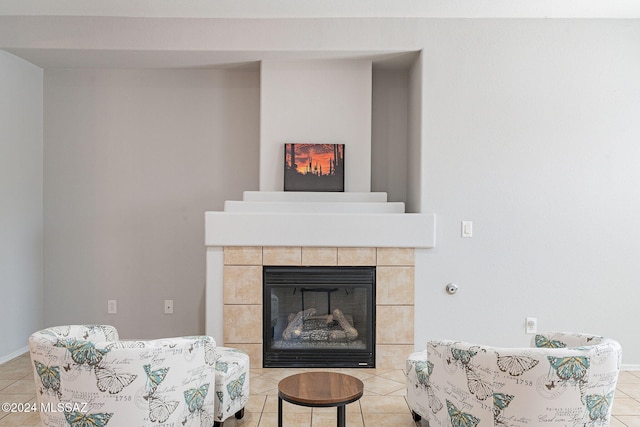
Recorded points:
(312,196)
(315,207)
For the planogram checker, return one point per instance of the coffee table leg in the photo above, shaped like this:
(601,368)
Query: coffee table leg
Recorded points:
(341,416)
(279,411)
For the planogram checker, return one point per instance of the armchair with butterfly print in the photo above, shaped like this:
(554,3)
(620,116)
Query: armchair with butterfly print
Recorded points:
(562,380)
(86,376)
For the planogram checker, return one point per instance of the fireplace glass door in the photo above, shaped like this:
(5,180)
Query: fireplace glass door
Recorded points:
(319,316)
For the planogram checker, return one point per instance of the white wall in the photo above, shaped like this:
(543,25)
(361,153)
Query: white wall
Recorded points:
(316,102)
(531,131)
(529,128)
(417,188)
(133,159)
(20,203)
(389,135)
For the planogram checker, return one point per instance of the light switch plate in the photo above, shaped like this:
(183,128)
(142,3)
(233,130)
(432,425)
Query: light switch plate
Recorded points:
(467,228)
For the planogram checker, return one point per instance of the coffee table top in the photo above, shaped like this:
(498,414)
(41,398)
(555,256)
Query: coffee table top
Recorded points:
(320,389)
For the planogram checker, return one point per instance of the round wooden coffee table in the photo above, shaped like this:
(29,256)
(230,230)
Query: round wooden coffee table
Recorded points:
(320,389)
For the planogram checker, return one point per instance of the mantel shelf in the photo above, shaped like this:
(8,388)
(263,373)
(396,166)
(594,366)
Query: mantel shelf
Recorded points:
(404,230)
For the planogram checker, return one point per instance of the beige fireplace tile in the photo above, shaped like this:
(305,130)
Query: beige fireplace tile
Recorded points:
(243,255)
(243,324)
(285,255)
(356,256)
(395,285)
(319,256)
(396,256)
(392,356)
(395,324)
(242,284)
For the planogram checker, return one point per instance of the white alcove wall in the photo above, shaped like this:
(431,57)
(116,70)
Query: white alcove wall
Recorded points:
(316,101)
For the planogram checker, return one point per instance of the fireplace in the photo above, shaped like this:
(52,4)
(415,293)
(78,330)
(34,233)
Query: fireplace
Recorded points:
(319,316)
(237,274)
(357,227)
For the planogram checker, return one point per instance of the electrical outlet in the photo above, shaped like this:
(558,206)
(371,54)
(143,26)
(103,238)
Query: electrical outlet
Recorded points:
(112,306)
(531,325)
(168,306)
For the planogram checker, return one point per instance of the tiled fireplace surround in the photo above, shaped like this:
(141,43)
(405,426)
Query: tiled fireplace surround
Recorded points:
(242,283)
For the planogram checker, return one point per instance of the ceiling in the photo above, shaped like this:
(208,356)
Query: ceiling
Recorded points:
(197,34)
(54,42)
(327,8)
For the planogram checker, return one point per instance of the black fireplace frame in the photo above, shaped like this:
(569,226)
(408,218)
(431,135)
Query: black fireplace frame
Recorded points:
(325,277)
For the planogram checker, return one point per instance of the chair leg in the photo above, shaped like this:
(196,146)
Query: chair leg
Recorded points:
(239,414)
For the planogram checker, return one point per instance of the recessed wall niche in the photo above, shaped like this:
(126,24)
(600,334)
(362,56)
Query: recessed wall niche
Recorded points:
(393,126)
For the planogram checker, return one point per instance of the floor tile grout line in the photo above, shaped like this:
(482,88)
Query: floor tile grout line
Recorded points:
(361,413)
(264,402)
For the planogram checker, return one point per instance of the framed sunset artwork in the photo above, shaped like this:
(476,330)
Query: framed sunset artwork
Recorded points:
(313,167)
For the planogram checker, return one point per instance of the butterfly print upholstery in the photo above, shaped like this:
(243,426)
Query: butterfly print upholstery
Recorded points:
(562,379)
(103,381)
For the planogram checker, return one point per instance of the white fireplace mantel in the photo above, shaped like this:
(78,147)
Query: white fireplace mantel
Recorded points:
(344,222)
(295,219)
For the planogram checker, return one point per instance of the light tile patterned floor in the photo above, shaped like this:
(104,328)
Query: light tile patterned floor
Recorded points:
(383,402)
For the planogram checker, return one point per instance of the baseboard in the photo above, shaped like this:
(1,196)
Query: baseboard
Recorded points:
(630,367)
(4,359)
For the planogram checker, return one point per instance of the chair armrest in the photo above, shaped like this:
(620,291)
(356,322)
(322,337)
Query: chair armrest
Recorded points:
(417,368)
(461,382)
(565,340)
